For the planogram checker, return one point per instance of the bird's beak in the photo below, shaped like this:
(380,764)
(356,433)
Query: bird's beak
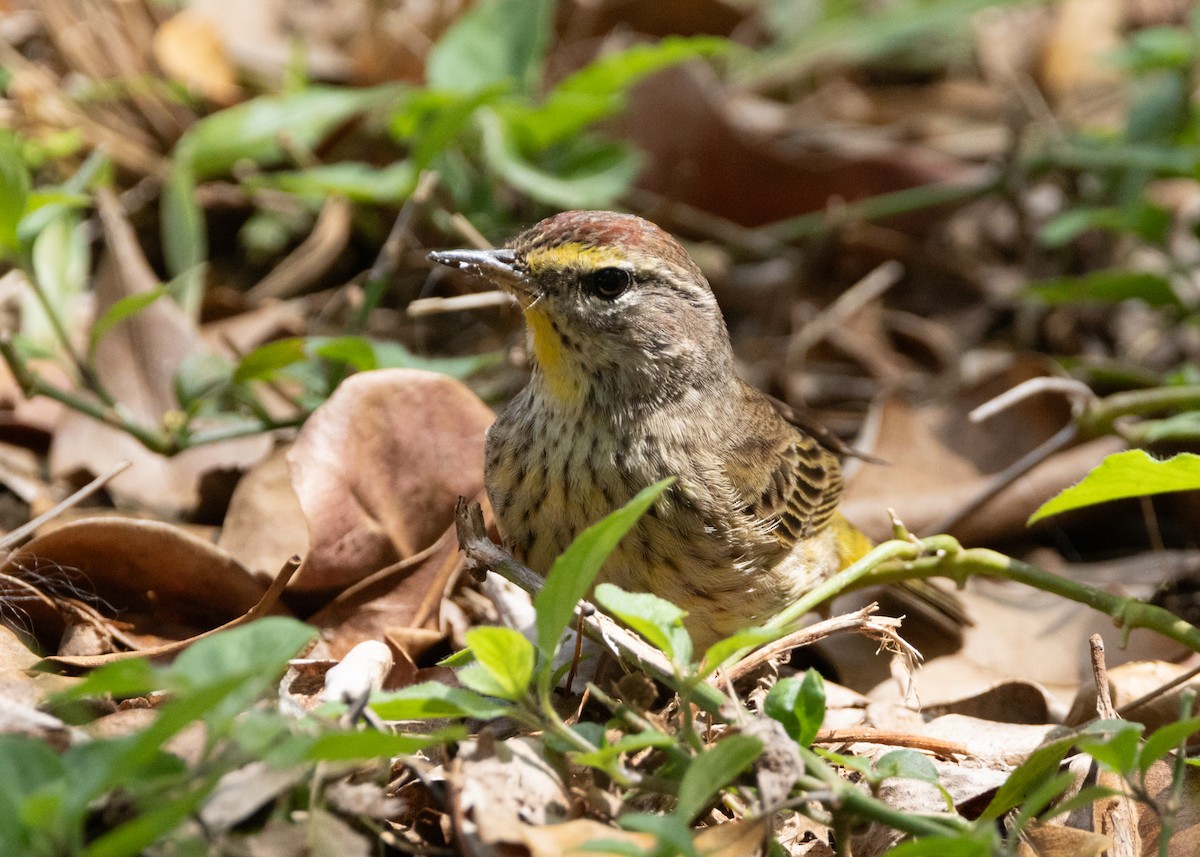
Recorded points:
(498,267)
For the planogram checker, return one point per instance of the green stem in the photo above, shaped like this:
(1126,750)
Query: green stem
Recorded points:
(33,384)
(880,207)
(1127,613)
(1101,417)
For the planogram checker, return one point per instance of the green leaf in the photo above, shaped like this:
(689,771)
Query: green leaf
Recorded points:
(609,753)
(597,90)
(136,835)
(120,679)
(183,231)
(714,769)
(1148,221)
(942,846)
(253,130)
(1165,739)
(61,263)
(128,306)
(1041,765)
(355,351)
(799,705)
(506,655)
(266,360)
(496,42)
(672,833)
(907,764)
(433,700)
(1133,473)
(573,573)
(344,746)
(14,190)
(721,650)
(1105,287)
(593,182)
(656,619)
(355,181)
(1116,746)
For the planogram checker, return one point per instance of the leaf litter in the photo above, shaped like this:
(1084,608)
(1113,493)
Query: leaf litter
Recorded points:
(365,491)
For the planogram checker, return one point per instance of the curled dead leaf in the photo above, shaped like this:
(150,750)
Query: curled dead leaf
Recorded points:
(378,469)
(158,580)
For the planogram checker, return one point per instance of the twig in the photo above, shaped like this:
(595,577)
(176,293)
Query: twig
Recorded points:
(867,735)
(468,232)
(27,529)
(264,606)
(1117,816)
(848,304)
(458,303)
(315,255)
(860,620)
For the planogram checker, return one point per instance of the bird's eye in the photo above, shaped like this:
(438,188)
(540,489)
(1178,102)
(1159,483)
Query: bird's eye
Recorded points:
(608,283)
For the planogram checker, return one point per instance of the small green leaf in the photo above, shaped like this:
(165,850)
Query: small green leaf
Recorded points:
(721,650)
(184,233)
(342,746)
(1105,287)
(266,360)
(495,42)
(128,306)
(14,190)
(120,679)
(506,655)
(656,619)
(356,181)
(592,182)
(1041,765)
(597,90)
(1133,473)
(433,700)
(799,705)
(573,573)
(609,753)
(1116,746)
(672,833)
(714,769)
(907,764)
(61,261)
(1165,739)
(942,846)
(253,130)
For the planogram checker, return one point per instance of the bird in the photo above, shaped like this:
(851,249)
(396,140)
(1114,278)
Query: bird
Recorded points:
(633,380)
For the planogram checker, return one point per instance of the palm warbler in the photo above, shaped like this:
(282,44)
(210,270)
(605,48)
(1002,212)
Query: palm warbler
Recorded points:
(633,380)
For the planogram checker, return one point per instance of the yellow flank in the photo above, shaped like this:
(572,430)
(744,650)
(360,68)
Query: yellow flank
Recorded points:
(852,544)
(560,374)
(571,255)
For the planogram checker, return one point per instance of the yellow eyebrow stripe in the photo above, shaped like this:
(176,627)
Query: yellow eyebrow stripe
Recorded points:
(571,255)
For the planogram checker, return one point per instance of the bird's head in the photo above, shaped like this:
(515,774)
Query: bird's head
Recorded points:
(612,302)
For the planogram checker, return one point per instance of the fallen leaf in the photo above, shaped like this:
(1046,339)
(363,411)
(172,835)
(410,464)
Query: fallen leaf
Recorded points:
(265,524)
(188,49)
(162,582)
(137,362)
(378,469)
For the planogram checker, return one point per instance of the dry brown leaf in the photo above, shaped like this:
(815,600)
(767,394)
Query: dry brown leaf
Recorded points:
(265,524)
(187,48)
(1131,681)
(1185,839)
(702,149)
(378,469)
(160,581)
(937,461)
(1055,840)
(137,362)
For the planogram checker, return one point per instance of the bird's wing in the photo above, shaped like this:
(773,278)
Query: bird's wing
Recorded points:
(785,479)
